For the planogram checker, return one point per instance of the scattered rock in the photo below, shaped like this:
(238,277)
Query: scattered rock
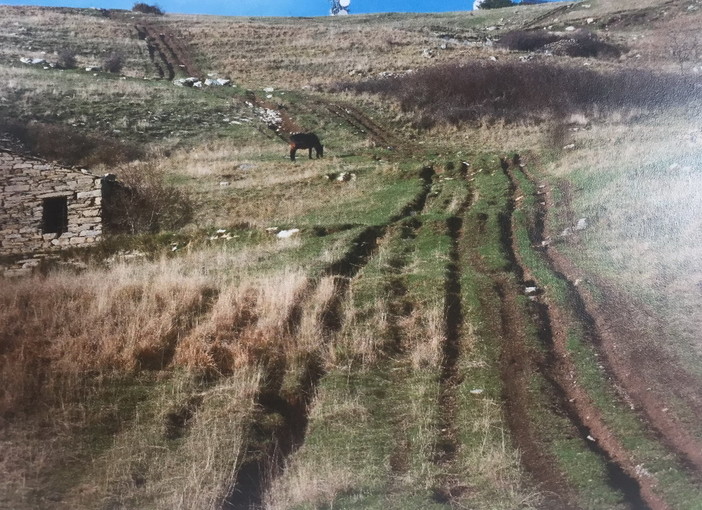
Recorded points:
(346,177)
(186,82)
(285,234)
(33,61)
(582,224)
(570,146)
(531,291)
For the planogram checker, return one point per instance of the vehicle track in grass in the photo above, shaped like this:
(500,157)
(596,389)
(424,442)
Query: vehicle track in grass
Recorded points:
(379,135)
(451,486)
(633,364)
(637,485)
(517,360)
(265,461)
(173,55)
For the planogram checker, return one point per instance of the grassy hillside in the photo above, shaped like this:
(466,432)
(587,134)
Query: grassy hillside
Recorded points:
(485,295)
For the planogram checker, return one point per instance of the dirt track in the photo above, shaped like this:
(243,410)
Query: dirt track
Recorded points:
(166,51)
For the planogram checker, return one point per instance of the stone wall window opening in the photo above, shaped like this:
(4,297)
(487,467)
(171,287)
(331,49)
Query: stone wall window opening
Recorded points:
(55,215)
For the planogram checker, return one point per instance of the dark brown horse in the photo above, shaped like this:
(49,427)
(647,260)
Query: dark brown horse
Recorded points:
(305,141)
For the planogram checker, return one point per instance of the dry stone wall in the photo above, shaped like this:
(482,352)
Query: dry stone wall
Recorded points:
(46,207)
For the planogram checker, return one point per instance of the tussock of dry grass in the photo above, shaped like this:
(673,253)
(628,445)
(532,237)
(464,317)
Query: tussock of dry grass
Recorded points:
(304,484)
(66,325)
(425,335)
(248,324)
(193,473)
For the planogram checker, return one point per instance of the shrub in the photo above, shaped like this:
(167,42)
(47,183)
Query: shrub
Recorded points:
(66,59)
(68,145)
(527,40)
(515,91)
(142,201)
(147,9)
(581,43)
(495,4)
(113,62)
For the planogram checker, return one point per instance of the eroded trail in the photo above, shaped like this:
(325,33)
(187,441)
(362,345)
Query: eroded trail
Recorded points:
(640,367)
(637,485)
(265,459)
(166,51)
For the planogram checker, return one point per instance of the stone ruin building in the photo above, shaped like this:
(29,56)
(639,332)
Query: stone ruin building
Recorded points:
(46,207)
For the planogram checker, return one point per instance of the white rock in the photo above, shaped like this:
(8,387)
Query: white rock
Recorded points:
(284,234)
(582,224)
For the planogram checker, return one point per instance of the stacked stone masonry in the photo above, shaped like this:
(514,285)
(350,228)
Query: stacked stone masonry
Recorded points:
(25,186)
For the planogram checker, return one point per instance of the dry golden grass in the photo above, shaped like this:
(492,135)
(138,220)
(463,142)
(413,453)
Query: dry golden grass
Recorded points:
(193,472)
(248,324)
(304,484)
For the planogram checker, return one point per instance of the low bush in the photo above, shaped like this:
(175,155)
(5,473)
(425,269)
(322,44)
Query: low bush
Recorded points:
(68,146)
(518,91)
(113,62)
(581,43)
(66,59)
(142,201)
(495,4)
(147,9)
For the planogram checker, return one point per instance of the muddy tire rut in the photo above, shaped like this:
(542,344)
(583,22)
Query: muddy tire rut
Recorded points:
(614,337)
(265,460)
(637,485)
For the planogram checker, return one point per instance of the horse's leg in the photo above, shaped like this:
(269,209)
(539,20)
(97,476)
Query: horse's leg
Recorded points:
(293,150)
(310,152)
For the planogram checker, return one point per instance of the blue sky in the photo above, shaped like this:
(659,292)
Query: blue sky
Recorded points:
(263,7)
